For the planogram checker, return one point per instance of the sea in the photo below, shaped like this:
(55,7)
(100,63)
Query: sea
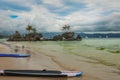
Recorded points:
(86,34)
(112,44)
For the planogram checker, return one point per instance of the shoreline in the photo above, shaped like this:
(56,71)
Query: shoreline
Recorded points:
(43,59)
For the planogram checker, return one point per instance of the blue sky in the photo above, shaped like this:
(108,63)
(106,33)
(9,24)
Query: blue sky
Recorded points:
(51,15)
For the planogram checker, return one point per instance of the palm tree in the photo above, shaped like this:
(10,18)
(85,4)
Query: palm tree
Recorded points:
(66,28)
(29,28)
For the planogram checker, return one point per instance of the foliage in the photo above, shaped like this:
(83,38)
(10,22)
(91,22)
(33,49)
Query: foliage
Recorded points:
(29,28)
(66,28)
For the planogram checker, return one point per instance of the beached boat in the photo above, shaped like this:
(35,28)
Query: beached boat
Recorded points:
(40,73)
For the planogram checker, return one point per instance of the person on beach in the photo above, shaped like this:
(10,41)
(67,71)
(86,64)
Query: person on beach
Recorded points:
(23,46)
(16,50)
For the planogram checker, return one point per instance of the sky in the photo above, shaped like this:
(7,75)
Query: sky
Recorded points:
(52,15)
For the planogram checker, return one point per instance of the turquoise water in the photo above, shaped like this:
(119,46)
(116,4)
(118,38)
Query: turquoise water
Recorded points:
(102,44)
(111,44)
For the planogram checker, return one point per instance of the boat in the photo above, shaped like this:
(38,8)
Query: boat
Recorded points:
(14,55)
(41,73)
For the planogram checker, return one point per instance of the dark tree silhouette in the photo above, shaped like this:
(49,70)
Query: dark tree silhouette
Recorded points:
(66,28)
(29,28)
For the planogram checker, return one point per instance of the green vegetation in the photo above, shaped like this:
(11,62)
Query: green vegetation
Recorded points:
(66,28)
(29,28)
(33,35)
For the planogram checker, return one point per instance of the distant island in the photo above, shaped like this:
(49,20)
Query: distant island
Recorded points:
(33,35)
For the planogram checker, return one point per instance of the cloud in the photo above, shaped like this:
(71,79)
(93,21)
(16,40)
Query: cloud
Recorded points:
(50,16)
(99,15)
(13,5)
(111,22)
(55,3)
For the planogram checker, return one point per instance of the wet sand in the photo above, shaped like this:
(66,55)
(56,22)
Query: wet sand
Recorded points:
(34,62)
(45,59)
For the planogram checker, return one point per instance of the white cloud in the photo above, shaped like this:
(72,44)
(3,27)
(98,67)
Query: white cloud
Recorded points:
(103,4)
(39,17)
(56,3)
(42,18)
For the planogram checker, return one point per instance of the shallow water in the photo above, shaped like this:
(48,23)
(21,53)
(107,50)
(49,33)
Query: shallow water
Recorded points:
(110,43)
(105,51)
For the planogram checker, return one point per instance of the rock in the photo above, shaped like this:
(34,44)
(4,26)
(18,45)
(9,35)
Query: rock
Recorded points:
(78,37)
(68,35)
(57,38)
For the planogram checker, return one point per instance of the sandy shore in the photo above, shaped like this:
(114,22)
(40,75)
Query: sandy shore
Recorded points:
(44,59)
